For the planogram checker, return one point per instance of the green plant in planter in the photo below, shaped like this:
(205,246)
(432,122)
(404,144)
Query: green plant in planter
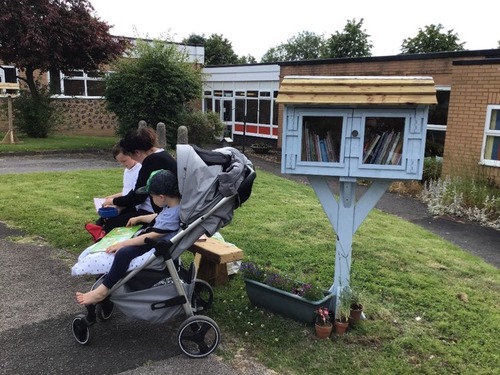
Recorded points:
(343,310)
(356,307)
(356,300)
(274,278)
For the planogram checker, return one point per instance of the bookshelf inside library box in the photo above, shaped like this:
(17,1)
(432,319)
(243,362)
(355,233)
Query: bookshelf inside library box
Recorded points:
(382,144)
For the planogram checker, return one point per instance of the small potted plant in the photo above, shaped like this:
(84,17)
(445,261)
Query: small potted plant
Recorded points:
(356,307)
(323,324)
(342,312)
(260,148)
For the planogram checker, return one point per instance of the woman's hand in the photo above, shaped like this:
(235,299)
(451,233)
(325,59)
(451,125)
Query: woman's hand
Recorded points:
(108,201)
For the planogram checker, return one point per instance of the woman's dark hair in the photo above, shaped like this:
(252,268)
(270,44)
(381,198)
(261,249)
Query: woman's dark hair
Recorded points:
(142,139)
(116,149)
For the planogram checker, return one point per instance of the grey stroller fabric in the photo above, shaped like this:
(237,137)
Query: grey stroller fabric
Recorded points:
(203,186)
(137,304)
(231,179)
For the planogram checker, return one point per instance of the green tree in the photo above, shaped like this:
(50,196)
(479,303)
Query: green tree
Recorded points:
(195,40)
(248,59)
(213,50)
(42,35)
(431,39)
(157,85)
(305,45)
(352,42)
(219,51)
(274,54)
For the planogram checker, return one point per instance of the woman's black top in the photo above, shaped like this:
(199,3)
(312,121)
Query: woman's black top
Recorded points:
(151,163)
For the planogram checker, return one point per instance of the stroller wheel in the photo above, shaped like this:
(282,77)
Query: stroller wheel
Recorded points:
(198,336)
(104,310)
(82,331)
(203,296)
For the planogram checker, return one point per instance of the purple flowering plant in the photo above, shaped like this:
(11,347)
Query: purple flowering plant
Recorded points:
(274,278)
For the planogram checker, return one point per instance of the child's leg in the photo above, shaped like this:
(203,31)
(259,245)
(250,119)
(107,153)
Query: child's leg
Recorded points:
(122,260)
(118,269)
(92,297)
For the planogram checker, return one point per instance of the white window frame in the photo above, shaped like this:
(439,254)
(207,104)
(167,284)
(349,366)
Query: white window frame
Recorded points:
(84,78)
(3,92)
(489,133)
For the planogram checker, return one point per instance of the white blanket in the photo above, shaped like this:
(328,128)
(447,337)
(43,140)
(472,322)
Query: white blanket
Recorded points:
(99,263)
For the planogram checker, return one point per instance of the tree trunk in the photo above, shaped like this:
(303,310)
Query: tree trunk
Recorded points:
(30,81)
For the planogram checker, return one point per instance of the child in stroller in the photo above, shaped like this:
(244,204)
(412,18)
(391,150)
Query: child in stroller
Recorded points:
(163,188)
(212,184)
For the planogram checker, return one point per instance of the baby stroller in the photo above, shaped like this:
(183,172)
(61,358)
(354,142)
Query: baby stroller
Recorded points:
(212,184)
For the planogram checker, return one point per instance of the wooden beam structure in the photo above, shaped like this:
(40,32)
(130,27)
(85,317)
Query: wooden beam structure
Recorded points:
(321,90)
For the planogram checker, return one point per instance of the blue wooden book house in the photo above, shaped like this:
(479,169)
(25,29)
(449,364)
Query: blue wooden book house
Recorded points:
(370,128)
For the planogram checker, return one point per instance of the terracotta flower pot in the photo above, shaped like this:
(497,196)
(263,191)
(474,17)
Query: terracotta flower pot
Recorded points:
(323,331)
(340,327)
(355,315)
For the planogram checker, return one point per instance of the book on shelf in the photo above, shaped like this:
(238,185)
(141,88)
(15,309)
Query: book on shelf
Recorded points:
(383,151)
(369,149)
(396,158)
(323,151)
(316,147)
(330,146)
(378,148)
(388,159)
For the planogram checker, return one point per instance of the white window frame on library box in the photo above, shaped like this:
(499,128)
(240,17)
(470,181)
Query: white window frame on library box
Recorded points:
(352,143)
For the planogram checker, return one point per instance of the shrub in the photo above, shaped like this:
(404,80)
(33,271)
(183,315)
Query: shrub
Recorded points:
(35,116)
(432,168)
(203,128)
(159,84)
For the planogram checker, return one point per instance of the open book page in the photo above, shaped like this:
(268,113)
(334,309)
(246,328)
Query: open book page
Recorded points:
(116,235)
(98,202)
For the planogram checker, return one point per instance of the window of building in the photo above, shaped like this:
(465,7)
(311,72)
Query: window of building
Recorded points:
(436,123)
(490,154)
(265,107)
(8,74)
(252,106)
(78,83)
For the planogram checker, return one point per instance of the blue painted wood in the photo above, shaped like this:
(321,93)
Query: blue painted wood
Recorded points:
(355,140)
(378,143)
(345,216)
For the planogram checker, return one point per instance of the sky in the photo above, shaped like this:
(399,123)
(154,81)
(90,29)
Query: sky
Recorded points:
(252,27)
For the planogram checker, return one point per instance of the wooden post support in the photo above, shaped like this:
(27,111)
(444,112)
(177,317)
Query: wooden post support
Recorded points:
(10,137)
(345,215)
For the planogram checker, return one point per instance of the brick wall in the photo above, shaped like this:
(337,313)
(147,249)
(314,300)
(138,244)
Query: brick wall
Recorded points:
(474,87)
(79,117)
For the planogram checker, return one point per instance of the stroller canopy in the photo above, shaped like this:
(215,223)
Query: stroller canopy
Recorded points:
(205,178)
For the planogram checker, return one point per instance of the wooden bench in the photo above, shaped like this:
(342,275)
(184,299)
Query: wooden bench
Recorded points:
(211,258)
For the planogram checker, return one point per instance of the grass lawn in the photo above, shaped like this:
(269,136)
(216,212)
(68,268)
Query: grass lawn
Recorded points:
(431,308)
(57,142)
